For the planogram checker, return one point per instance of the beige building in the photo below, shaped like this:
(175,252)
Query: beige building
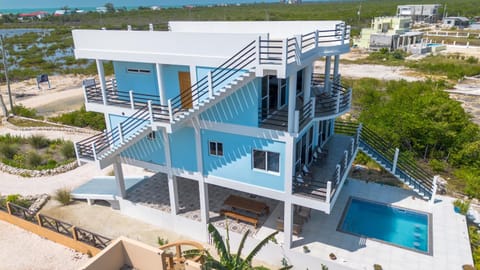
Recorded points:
(389,32)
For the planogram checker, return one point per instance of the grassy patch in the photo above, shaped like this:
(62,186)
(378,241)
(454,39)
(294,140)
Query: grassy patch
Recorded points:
(81,118)
(35,152)
(22,122)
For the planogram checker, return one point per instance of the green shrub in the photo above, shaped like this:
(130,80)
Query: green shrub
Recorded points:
(8,151)
(21,110)
(82,118)
(13,198)
(63,196)
(437,165)
(68,150)
(38,141)
(462,206)
(33,159)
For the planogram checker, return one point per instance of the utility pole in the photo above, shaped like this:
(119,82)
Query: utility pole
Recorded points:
(5,68)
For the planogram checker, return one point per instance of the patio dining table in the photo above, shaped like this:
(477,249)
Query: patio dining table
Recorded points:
(249,205)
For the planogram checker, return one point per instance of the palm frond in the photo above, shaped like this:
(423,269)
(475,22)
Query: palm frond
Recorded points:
(286,267)
(213,264)
(253,253)
(218,242)
(240,246)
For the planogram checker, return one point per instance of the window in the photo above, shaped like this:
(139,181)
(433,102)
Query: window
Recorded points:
(138,70)
(151,136)
(266,161)
(299,82)
(216,149)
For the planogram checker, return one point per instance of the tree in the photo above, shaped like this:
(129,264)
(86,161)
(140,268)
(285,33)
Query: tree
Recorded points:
(110,7)
(229,261)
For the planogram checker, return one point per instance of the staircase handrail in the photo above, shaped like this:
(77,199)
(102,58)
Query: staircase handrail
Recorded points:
(201,87)
(108,138)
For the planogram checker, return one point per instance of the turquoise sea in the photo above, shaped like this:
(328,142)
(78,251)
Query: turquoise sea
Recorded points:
(27,6)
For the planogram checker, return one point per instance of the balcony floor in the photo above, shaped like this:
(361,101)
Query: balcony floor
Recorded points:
(323,170)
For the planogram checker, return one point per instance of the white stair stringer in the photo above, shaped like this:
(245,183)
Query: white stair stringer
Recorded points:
(398,176)
(107,157)
(219,95)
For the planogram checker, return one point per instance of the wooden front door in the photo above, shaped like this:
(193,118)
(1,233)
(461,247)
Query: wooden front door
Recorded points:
(185,89)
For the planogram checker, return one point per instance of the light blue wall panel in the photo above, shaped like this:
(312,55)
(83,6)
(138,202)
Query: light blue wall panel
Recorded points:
(220,79)
(138,82)
(149,149)
(236,162)
(239,108)
(170,79)
(117,119)
(182,147)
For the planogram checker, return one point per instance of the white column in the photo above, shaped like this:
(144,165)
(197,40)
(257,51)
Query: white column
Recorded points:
(172,179)
(328,60)
(292,96)
(117,169)
(198,144)
(204,207)
(161,87)
(101,77)
(336,65)
(289,163)
(288,224)
(173,192)
(307,82)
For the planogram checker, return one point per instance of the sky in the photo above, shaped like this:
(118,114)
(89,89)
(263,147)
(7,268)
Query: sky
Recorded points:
(18,4)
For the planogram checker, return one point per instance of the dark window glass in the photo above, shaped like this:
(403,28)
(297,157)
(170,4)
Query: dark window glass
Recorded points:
(259,160)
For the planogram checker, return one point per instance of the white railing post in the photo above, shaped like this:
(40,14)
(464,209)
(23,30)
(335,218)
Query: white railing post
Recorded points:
(94,151)
(210,84)
(132,101)
(343,32)
(329,192)
(337,109)
(298,49)
(339,175)
(346,158)
(352,146)
(296,126)
(395,160)
(350,97)
(285,52)
(76,154)
(313,107)
(120,132)
(316,38)
(257,49)
(170,112)
(150,111)
(434,189)
(359,130)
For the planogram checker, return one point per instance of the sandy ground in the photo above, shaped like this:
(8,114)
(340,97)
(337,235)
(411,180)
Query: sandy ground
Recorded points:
(23,250)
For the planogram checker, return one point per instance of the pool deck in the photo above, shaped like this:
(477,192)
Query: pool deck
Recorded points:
(104,187)
(451,248)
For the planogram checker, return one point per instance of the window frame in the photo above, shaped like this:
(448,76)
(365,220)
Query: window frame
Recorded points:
(266,170)
(216,153)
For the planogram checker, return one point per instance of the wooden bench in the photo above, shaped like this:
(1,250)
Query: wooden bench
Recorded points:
(238,216)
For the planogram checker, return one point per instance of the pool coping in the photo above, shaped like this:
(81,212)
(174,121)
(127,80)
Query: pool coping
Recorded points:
(429,217)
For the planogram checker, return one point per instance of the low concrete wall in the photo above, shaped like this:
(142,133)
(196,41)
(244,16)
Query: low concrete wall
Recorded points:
(49,234)
(129,252)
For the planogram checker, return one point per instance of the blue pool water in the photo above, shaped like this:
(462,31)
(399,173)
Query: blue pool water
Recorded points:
(396,226)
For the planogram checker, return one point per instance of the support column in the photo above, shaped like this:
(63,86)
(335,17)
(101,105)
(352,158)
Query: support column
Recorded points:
(161,88)
(173,192)
(287,224)
(289,163)
(101,77)
(292,97)
(336,65)
(117,169)
(172,179)
(307,82)
(328,62)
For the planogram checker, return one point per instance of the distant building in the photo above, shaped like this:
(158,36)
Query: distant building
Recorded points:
(101,9)
(420,13)
(389,32)
(32,15)
(459,22)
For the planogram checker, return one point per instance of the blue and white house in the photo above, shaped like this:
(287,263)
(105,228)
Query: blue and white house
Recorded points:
(231,104)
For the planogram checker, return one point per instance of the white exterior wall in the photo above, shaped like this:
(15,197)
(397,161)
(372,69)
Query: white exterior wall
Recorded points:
(275,29)
(159,46)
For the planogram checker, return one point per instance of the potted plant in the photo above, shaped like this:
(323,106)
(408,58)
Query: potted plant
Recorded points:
(332,256)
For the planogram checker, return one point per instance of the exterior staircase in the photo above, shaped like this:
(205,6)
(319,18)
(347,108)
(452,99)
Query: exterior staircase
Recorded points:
(219,83)
(401,166)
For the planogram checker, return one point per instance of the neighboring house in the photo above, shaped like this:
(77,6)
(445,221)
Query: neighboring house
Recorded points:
(420,13)
(32,16)
(458,22)
(389,32)
(232,104)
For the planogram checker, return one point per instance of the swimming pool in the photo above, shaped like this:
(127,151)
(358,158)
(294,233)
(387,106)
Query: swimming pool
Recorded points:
(393,225)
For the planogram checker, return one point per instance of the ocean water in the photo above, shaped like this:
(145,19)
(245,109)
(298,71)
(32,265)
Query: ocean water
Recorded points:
(27,6)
